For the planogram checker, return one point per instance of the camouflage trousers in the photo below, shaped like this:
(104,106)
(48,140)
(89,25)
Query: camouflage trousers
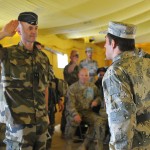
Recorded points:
(51,128)
(26,136)
(96,129)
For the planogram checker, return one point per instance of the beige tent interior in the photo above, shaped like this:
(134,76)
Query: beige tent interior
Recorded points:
(67,24)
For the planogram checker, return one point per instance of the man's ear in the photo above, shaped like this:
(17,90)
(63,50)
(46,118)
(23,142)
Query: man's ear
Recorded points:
(113,43)
(19,29)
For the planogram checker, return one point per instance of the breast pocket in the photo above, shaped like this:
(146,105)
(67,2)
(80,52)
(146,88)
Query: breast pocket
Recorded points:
(18,69)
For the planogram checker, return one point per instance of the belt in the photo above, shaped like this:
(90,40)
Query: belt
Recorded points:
(143,117)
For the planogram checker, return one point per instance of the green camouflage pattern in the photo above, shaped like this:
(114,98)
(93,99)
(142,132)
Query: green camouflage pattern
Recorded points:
(92,67)
(71,77)
(80,98)
(127,96)
(25,75)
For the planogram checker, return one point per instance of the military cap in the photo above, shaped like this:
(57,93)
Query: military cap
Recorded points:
(121,30)
(28,17)
(89,49)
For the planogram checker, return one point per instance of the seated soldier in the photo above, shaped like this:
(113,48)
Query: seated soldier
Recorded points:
(82,97)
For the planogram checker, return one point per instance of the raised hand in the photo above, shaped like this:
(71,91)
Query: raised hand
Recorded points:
(9,29)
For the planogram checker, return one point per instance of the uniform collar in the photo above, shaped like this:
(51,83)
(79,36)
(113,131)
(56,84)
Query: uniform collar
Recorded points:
(124,55)
(23,49)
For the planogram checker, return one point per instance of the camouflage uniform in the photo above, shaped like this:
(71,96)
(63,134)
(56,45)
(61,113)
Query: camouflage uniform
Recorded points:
(79,102)
(70,78)
(25,75)
(127,96)
(92,66)
(2,125)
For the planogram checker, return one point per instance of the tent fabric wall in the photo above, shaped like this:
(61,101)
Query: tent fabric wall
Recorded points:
(66,45)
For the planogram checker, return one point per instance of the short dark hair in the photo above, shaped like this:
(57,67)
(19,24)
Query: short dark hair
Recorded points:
(122,43)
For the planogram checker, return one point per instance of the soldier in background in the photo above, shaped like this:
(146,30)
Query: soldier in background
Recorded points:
(53,100)
(71,70)
(89,64)
(102,108)
(70,76)
(82,97)
(126,90)
(25,79)
(100,73)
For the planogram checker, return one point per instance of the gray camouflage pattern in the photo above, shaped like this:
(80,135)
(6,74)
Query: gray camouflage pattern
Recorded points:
(26,137)
(92,67)
(127,96)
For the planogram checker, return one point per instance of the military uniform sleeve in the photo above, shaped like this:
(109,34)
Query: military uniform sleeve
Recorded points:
(66,75)
(70,104)
(51,73)
(71,77)
(120,108)
(3,53)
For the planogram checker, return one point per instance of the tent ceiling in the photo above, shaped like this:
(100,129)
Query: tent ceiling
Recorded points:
(81,18)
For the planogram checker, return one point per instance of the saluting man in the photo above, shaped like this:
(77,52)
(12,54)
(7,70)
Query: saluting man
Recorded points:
(25,78)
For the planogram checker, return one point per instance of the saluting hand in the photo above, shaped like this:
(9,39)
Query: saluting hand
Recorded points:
(10,28)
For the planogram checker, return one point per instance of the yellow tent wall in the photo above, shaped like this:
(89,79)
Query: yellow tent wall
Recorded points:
(65,46)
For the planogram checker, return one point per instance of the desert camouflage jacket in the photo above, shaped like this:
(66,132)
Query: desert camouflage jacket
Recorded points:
(126,87)
(80,97)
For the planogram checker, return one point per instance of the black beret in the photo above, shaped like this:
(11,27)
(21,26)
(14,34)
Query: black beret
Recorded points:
(28,17)
(101,69)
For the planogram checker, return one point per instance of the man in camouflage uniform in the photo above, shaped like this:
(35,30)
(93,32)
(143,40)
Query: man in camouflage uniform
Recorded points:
(2,125)
(126,90)
(70,76)
(90,64)
(71,70)
(82,97)
(25,79)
